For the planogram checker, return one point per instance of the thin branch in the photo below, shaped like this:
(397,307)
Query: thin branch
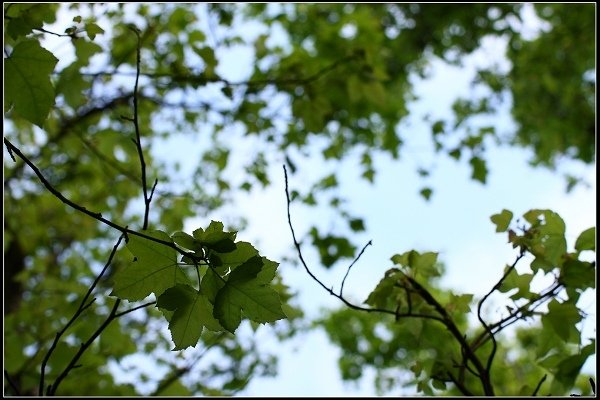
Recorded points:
(84,346)
(82,307)
(444,318)
(68,124)
(539,385)
(12,383)
(117,315)
(460,338)
(84,210)
(517,315)
(353,262)
(490,359)
(463,389)
(138,139)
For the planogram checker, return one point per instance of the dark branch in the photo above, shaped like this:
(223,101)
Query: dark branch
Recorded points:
(77,207)
(138,139)
(490,359)
(84,346)
(117,315)
(82,307)
(12,383)
(350,266)
(539,385)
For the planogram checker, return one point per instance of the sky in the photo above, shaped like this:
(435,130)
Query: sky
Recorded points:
(455,222)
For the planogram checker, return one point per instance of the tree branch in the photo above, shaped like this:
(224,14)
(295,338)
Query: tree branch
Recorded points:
(539,385)
(12,383)
(82,307)
(488,367)
(77,207)
(350,266)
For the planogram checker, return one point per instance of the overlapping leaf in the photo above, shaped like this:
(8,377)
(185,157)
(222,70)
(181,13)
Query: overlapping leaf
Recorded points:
(192,312)
(246,291)
(153,270)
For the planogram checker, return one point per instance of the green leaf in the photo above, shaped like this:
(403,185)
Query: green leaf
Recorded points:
(586,240)
(153,270)
(381,296)
(578,274)
(521,282)
(27,81)
(562,318)
(215,238)
(243,292)
(186,241)
(357,225)
(426,193)
(460,304)
(568,369)
(92,30)
(193,311)
(479,169)
(502,220)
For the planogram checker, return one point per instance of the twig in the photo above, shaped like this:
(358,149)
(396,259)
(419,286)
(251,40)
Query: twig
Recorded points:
(117,315)
(353,262)
(82,307)
(94,215)
(12,383)
(84,346)
(138,140)
(490,359)
(539,385)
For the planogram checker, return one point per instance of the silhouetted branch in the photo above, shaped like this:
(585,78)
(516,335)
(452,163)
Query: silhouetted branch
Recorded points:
(117,315)
(353,262)
(12,383)
(488,366)
(539,385)
(82,307)
(444,317)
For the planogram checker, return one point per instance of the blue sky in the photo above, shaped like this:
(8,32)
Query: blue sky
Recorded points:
(454,223)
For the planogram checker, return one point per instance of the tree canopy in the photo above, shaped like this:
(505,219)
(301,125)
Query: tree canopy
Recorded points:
(97,193)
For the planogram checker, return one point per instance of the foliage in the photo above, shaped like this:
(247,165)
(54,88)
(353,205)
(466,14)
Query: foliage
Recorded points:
(425,328)
(89,102)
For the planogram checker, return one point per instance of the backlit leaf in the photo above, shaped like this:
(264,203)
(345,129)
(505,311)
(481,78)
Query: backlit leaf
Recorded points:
(154,270)
(27,81)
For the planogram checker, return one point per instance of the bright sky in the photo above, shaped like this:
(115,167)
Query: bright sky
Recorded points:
(455,223)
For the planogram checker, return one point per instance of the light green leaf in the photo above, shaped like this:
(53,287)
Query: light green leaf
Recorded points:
(561,317)
(586,240)
(502,220)
(27,81)
(153,270)
(92,30)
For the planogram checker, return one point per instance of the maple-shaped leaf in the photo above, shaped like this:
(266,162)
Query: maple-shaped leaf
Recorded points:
(246,290)
(215,238)
(153,270)
(27,82)
(192,312)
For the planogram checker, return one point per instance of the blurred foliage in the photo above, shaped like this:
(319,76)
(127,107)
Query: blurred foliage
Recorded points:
(330,79)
